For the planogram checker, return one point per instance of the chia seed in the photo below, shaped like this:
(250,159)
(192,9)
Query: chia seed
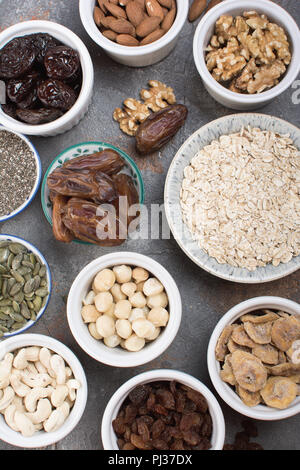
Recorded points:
(18,172)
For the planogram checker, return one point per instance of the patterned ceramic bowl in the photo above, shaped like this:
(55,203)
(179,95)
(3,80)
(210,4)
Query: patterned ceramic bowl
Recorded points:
(87,148)
(204,136)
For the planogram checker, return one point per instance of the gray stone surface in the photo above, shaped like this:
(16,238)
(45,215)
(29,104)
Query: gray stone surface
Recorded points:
(205,298)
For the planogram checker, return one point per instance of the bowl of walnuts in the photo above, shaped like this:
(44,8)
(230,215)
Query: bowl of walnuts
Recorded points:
(246,52)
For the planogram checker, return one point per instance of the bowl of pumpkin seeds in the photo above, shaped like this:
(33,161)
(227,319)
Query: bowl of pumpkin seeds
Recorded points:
(25,285)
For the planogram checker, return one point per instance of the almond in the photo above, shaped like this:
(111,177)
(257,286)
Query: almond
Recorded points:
(109,34)
(142,4)
(213,3)
(196,9)
(134,12)
(123,3)
(102,6)
(154,36)
(147,26)
(98,14)
(165,3)
(119,25)
(154,9)
(127,40)
(168,20)
(116,11)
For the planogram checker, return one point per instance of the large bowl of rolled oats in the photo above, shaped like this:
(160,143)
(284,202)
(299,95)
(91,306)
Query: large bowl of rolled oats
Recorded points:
(247,52)
(232,198)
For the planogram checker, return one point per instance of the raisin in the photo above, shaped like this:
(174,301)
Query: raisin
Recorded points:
(159,444)
(198,399)
(157,428)
(179,401)
(190,420)
(138,442)
(139,394)
(16,58)
(159,409)
(130,414)
(128,446)
(119,426)
(191,437)
(146,419)
(61,62)
(206,428)
(177,445)
(56,94)
(166,399)
(38,116)
(204,444)
(143,431)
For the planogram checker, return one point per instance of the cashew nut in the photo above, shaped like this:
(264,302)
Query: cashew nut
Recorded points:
(40,367)
(5,370)
(57,364)
(43,411)
(32,353)
(33,396)
(37,380)
(73,385)
(65,409)
(20,360)
(45,356)
(9,416)
(24,424)
(19,387)
(55,420)
(7,398)
(59,395)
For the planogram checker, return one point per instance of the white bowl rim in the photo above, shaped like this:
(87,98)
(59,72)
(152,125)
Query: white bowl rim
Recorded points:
(205,22)
(43,439)
(121,393)
(30,323)
(169,219)
(153,349)
(125,51)
(37,183)
(260,412)
(51,27)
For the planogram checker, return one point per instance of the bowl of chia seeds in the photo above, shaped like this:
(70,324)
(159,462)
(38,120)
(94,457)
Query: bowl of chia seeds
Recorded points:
(25,285)
(20,173)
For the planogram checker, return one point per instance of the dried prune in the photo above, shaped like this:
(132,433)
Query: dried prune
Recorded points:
(159,128)
(42,42)
(108,161)
(18,88)
(38,116)
(10,110)
(56,94)
(16,58)
(29,101)
(61,62)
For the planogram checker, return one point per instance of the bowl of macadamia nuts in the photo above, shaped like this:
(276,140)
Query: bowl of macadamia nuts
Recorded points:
(247,52)
(124,309)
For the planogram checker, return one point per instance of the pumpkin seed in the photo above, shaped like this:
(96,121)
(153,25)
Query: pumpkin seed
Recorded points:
(16,263)
(15,289)
(41,292)
(43,271)
(20,279)
(17,248)
(2,269)
(37,302)
(29,286)
(4,254)
(36,268)
(25,310)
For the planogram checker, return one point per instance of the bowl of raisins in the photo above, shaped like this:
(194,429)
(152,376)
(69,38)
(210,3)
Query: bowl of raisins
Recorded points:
(47,76)
(163,410)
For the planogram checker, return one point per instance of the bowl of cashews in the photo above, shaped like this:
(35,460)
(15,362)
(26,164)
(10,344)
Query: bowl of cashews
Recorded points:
(43,391)
(124,309)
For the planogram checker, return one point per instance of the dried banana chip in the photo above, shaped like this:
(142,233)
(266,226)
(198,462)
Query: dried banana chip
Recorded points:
(294,347)
(295,378)
(279,392)
(233,346)
(267,317)
(248,398)
(284,370)
(240,337)
(260,333)
(296,357)
(248,370)
(285,331)
(221,347)
(281,357)
(226,373)
(298,390)
(266,353)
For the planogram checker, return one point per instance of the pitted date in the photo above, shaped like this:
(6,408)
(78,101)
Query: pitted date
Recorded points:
(159,128)
(61,62)
(56,94)
(38,116)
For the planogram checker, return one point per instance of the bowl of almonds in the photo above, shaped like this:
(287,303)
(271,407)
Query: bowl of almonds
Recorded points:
(254,358)
(136,33)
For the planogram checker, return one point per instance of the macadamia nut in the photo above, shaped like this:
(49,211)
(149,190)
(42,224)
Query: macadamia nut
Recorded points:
(138,300)
(103,301)
(158,300)
(158,316)
(123,273)
(128,288)
(136,313)
(123,328)
(104,280)
(112,341)
(134,343)
(123,309)
(89,313)
(143,328)
(117,293)
(140,274)
(152,287)
(93,331)
(105,326)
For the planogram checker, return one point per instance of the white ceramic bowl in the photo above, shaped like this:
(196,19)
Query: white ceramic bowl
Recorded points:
(37,180)
(140,56)
(72,117)
(109,439)
(35,251)
(41,438)
(226,392)
(202,37)
(202,137)
(118,357)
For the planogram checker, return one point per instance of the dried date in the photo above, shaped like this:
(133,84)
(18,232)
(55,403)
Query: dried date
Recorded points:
(61,232)
(159,128)
(108,161)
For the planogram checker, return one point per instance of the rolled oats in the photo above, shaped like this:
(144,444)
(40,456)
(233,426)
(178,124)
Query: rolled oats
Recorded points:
(240,199)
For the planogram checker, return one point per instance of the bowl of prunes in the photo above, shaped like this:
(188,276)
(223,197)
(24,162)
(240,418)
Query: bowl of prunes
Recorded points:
(47,74)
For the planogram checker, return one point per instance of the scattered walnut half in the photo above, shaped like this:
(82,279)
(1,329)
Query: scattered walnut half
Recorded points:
(248,53)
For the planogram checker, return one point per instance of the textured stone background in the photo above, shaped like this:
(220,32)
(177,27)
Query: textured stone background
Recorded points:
(205,298)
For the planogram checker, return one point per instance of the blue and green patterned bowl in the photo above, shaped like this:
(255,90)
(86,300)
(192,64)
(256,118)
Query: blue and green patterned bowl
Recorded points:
(87,148)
